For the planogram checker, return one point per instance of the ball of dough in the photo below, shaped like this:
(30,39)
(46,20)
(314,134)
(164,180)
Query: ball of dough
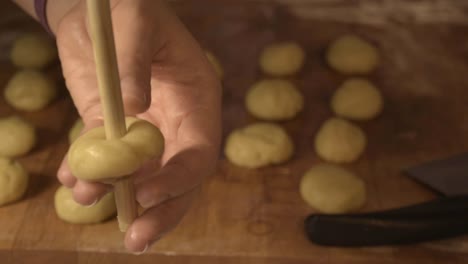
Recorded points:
(70,211)
(332,190)
(274,99)
(30,90)
(92,157)
(357,99)
(13,181)
(351,54)
(259,145)
(281,59)
(17,136)
(216,64)
(33,50)
(340,141)
(75,131)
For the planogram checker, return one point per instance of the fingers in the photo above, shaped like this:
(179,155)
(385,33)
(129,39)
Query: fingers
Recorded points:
(87,193)
(155,222)
(182,173)
(64,174)
(134,47)
(134,50)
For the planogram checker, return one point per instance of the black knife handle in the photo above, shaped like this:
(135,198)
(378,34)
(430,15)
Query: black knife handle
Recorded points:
(438,219)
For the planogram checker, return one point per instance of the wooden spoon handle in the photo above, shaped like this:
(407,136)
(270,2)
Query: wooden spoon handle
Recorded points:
(100,23)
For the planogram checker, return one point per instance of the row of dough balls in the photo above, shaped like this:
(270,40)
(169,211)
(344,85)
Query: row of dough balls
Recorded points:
(349,54)
(30,89)
(18,138)
(330,188)
(326,187)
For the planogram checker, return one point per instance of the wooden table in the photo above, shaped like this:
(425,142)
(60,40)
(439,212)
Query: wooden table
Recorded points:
(256,216)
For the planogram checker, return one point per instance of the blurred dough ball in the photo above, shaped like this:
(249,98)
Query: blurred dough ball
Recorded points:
(281,59)
(17,136)
(258,145)
(216,64)
(357,99)
(274,99)
(33,50)
(340,141)
(351,54)
(13,181)
(70,211)
(75,130)
(30,90)
(333,190)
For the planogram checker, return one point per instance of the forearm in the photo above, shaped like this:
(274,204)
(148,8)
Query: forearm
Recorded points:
(56,9)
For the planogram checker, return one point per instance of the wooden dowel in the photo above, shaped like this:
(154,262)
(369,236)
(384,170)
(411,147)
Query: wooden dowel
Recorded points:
(100,24)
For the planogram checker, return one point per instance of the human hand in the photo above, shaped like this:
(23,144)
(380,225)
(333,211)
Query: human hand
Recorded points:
(166,80)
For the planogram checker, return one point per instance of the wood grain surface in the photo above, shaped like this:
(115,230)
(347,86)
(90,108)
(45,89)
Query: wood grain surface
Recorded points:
(256,216)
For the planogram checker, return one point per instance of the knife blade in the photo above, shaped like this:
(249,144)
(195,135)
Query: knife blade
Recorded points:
(438,219)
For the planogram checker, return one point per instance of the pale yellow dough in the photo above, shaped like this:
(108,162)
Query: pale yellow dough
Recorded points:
(357,99)
(72,212)
(216,64)
(340,141)
(75,131)
(92,157)
(17,136)
(33,50)
(259,145)
(13,181)
(30,90)
(351,54)
(274,100)
(281,59)
(333,190)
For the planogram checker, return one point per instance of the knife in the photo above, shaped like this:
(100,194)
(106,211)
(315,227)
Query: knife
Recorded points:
(442,218)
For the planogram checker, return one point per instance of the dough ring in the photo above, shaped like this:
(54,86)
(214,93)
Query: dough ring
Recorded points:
(72,212)
(92,157)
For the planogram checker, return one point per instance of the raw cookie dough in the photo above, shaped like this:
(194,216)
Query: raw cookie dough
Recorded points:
(333,190)
(259,145)
(70,211)
(351,54)
(33,50)
(281,59)
(357,99)
(340,141)
(17,136)
(92,157)
(30,90)
(216,64)
(274,99)
(13,181)
(75,131)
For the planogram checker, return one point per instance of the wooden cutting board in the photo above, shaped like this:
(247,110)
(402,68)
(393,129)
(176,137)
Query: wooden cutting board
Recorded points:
(257,215)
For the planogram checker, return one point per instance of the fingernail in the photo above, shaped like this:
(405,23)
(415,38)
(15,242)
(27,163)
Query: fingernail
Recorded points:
(93,204)
(143,251)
